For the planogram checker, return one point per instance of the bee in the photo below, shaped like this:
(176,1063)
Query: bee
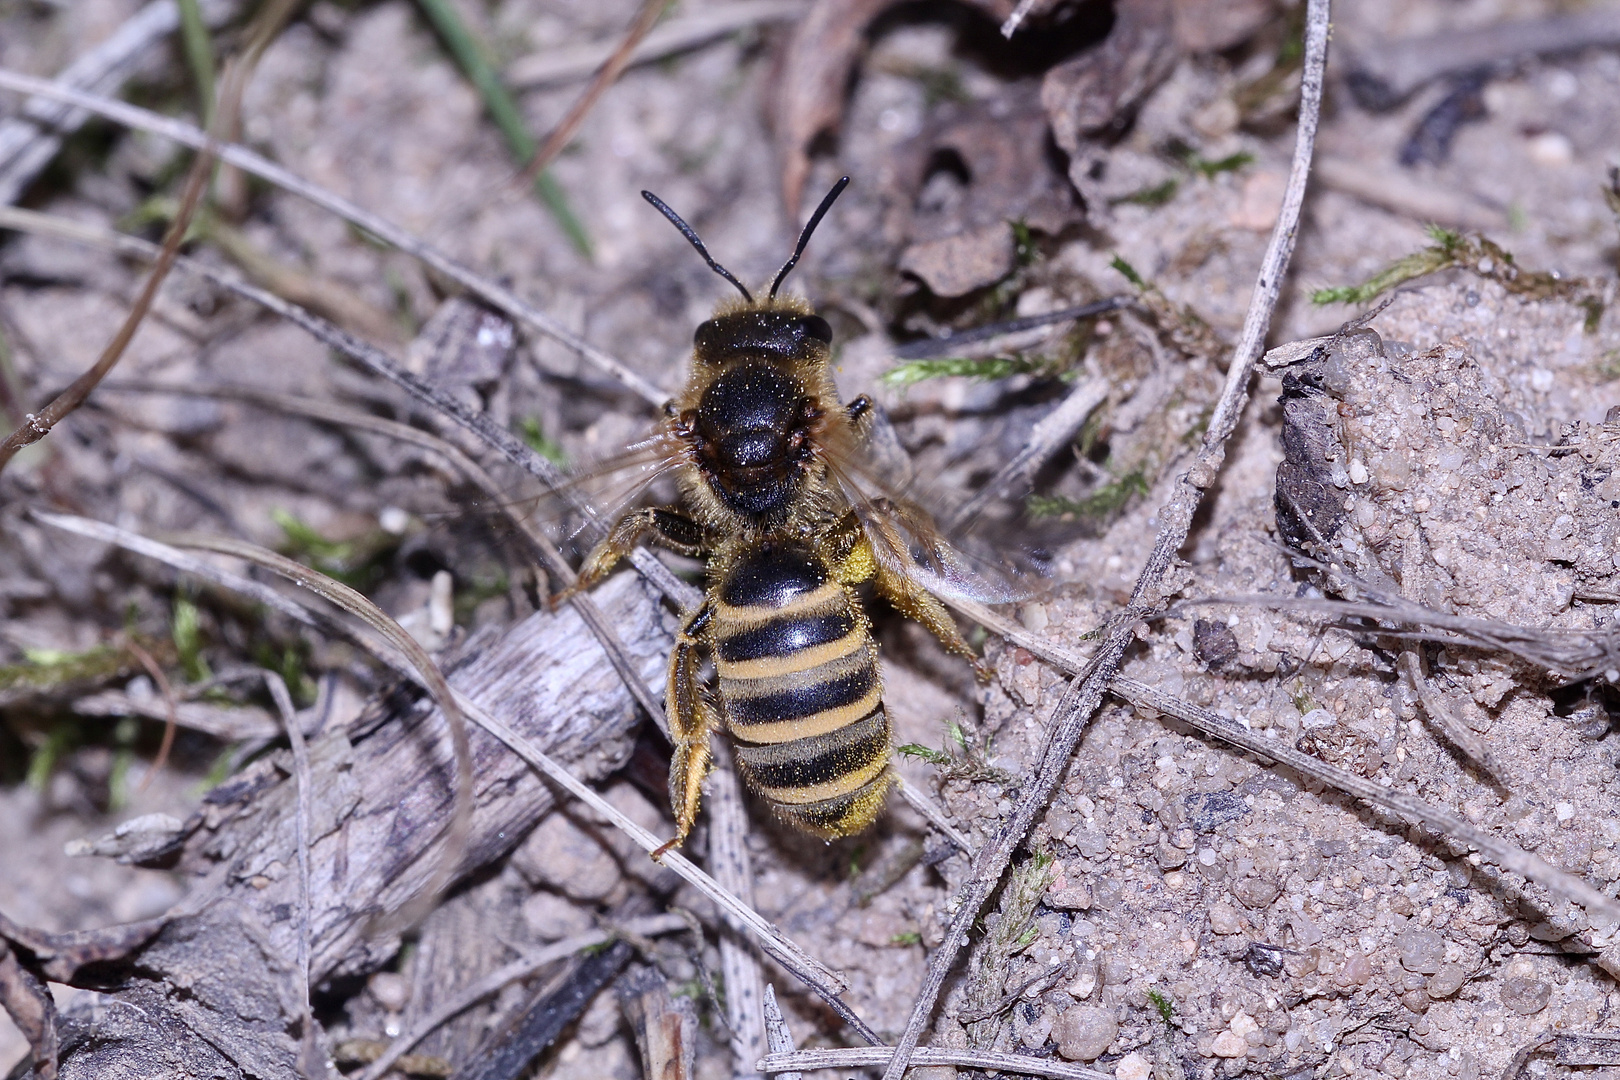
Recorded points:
(773,497)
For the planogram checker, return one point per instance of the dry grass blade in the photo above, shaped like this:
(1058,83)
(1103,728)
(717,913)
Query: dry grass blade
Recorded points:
(565,63)
(777,1035)
(384,365)
(312,1058)
(1444,717)
(934,815)
(495,981)
(36,426)
(1566,654)
(1085,693)
(182,561)
(823,981)
(1046,438)
(422,665)
(246,160)
(605,77)
(868,1056)
(171,709)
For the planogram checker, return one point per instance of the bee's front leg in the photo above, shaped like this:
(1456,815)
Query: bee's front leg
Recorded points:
(691,721)
(663,526)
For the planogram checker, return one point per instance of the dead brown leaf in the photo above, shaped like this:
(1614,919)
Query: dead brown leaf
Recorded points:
(1097,92)
(959,264)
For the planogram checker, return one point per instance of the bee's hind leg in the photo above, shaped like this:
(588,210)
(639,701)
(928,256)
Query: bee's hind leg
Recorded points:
(665,527)
(691,721)
(914,602)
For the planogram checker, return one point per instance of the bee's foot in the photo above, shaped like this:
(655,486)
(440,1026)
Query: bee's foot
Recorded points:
(667,846)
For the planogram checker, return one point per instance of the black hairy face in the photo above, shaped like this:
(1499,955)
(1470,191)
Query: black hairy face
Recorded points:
(782,335)
(752,430)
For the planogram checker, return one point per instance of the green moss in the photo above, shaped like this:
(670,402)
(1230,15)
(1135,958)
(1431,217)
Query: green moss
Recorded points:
(987,368)
(907,937)
(1481,257)
(536,439)
(1104,502)
(1157,195)
(1166,1007)
(925,753)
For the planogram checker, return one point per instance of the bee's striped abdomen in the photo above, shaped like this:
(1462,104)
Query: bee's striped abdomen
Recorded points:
(800,688)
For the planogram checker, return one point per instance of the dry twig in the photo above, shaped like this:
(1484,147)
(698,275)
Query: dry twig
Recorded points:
(519,969)
(569,62)
(868,1056)
(1085,693)
(496,295)
(312,1057)
(1508,856)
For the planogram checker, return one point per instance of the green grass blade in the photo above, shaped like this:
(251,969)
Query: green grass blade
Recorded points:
(502,109)
(199,55)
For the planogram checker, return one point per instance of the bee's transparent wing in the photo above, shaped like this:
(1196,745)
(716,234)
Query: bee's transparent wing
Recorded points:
(906,540)
(579,511)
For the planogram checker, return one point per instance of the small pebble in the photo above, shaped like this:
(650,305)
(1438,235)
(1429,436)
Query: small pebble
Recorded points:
(1224,918)
(1447,981)
(1085,1032)
(1243,1024)
(1420,949)
(1229,1044)
(1525,996)
(1565,811)
(1132,1066)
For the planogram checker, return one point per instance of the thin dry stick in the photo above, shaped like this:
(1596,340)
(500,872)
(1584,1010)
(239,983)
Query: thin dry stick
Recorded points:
(569,62)
(171,708)
(425,670)
(606,76)
(311,1058)
(246,160)
(934,814)
(36,426)
(28,142)
(1045,439)
(383,364)
(867,1056)
(823,981)
(1508,856)
(1440,713)
(521,968)
(826,983)
(777,1035)
(1084,695)
(731,867)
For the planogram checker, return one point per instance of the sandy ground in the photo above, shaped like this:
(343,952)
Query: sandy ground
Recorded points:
(1201,914)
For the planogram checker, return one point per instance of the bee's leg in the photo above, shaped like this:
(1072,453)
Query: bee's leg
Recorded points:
(860,410)
(663,526)
(691,721)
(915,602)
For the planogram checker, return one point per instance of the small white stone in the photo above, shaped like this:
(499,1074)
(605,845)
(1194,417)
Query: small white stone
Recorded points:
(1358,472)
(1541,380)
(394,520)
(1551,148)
(1132,1066)
(1229,1044)
(1565,811)
(1243,1024)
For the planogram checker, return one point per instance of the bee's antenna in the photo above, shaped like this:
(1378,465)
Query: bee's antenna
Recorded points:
(692,237)
(804,237)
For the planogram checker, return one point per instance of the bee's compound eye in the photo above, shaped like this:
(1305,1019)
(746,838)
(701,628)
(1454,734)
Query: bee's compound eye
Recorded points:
(704,336)
(817,327)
